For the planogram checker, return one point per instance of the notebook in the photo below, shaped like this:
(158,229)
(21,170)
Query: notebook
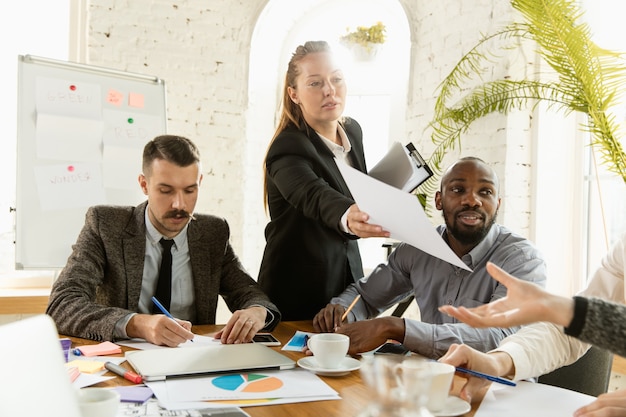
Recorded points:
(159,364)
(34,379)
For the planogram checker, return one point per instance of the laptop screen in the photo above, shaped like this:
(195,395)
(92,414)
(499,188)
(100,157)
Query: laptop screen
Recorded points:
(34,378)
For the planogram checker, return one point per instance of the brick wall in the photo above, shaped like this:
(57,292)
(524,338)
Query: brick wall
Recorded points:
(201,49)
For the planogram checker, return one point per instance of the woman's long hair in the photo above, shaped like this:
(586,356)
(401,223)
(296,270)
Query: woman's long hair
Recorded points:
(291,114)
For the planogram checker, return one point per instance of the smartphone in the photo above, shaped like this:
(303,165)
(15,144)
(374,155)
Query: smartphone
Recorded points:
(390,348)
(266,339)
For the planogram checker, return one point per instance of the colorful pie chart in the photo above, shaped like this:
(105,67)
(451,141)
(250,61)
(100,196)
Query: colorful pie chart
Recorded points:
(248,383)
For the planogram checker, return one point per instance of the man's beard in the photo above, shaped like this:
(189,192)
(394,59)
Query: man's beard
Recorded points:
(469,237)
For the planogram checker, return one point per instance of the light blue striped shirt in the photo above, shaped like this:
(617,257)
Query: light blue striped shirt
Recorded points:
(433,282)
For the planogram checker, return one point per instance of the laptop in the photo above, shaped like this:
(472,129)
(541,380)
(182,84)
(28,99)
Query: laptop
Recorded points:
(159,364)
(34,379)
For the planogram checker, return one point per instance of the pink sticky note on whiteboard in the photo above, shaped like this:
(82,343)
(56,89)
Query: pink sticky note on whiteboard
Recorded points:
(135,100)
(114,97)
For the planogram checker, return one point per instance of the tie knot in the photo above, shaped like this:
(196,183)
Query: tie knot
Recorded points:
(166,243)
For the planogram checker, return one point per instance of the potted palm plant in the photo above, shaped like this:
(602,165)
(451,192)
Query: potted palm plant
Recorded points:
(589,79)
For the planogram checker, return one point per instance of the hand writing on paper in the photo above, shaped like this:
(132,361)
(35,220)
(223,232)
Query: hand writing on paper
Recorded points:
(159,329)
(357,224)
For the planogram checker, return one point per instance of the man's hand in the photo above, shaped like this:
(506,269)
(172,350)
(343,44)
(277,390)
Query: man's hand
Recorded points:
(495,363)
(159,329)
(328,319)
(611,404)
(367,335)
(357,224)
(243,325)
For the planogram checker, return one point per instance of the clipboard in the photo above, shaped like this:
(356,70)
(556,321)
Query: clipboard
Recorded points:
(402,167)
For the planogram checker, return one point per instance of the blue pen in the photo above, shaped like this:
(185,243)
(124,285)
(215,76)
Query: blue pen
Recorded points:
(163,309)
(77,352)
(486,376)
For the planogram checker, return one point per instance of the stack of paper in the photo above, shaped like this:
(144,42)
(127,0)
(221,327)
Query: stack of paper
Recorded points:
(243,389)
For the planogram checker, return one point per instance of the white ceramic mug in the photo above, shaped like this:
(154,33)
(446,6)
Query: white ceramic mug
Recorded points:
(442,375)
(329,349)
(98,402)
(439,376)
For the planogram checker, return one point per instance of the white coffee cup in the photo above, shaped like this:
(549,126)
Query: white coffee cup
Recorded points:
(437,377)
(98,402)
(329,349)
(442,375)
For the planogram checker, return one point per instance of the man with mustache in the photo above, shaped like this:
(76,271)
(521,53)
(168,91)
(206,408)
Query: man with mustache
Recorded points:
(469,200)
(105,290)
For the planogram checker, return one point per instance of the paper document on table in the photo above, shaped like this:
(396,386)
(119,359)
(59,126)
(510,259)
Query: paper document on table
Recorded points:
(248,387)
(531,399)
(398,212)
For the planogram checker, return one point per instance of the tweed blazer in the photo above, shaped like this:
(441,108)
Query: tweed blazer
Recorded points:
(101,282)
(308,259)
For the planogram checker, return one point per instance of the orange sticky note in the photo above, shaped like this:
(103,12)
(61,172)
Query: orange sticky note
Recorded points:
(104,348)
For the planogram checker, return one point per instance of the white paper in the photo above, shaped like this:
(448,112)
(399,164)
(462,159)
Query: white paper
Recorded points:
(152,408)
(69,98)
(68,138)
(249,386)
(258,385)
(124,137)
(531,399)
(198,340)
(69,185)
(398,212)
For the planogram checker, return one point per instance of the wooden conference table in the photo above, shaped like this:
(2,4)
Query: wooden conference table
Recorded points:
(353,392)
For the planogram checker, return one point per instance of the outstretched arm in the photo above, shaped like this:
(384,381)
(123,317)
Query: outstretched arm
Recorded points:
(524,303)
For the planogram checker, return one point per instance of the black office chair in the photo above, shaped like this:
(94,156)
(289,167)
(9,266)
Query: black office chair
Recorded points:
(402,306)
(589,375)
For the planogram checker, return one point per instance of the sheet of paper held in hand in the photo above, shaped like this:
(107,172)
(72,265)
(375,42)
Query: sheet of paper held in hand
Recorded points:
(398,212)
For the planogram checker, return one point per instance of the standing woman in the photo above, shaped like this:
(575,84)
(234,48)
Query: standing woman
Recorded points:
(311,252)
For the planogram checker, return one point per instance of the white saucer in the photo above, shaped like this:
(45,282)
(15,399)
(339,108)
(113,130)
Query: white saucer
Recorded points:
(454,407)
(347,365)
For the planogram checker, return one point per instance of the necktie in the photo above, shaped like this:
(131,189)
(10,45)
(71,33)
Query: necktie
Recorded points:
(164,285)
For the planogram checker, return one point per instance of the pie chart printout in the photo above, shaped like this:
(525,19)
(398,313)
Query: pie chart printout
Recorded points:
(248,383)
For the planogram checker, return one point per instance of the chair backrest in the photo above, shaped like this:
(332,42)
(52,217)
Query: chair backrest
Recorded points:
(589,375)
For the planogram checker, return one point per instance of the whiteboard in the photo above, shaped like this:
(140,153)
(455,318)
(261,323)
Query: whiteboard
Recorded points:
(80,135)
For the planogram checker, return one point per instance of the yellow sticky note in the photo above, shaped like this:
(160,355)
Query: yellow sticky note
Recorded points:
(88,367)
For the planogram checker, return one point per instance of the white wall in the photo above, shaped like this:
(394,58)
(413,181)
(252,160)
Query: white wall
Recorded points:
(203,51)
(32,27)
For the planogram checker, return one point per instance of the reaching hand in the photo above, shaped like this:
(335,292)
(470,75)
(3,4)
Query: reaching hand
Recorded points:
(243,325)
(611,404)
(357,224)
(524,303)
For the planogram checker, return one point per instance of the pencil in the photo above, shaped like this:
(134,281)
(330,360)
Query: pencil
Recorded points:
(345,314)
